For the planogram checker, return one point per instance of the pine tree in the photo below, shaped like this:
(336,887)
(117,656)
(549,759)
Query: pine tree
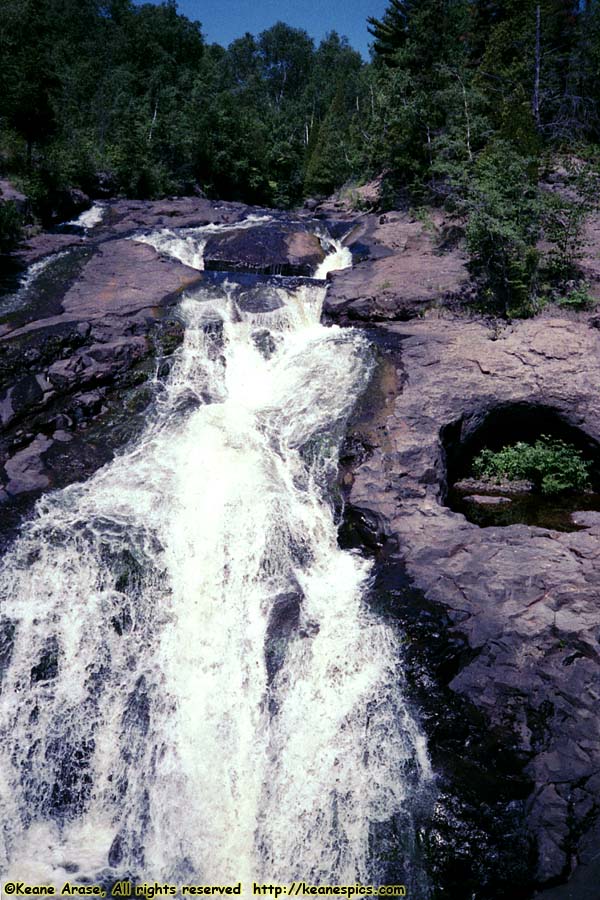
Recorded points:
(390,32)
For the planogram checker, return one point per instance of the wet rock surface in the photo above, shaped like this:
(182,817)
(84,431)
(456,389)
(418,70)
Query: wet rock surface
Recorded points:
(524,600)
(475,839)
(284,619)
(123,218)
(400,270)
(266,250)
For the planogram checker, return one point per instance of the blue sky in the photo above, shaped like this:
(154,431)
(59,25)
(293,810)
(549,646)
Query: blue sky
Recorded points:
(224,20)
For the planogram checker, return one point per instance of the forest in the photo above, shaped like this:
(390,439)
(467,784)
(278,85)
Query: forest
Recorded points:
(469,104)
(300,511)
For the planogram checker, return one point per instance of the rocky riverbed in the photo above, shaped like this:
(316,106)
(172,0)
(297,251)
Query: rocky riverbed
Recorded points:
(96,318)
(503,633)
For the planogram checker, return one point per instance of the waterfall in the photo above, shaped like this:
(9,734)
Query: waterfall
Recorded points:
(193,686)
(187,244)
(339,258)
(89,218)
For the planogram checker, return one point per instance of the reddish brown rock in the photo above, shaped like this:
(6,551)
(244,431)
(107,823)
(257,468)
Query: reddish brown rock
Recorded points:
(403,275)
(525,599)
(274,249)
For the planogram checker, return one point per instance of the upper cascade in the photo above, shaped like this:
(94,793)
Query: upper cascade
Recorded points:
(255,245)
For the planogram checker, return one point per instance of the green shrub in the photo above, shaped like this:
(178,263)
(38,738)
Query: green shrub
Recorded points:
(553,466)
(565,213)
(11,226)
(502,206)
(578,299)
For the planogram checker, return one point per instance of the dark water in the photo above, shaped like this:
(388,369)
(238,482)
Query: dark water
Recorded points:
(524,508)
(39,292)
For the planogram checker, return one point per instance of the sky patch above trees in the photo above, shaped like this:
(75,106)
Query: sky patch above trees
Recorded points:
(226,20)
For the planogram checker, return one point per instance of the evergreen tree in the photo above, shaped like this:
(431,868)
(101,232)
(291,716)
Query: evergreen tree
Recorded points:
(391,31)
(132,92)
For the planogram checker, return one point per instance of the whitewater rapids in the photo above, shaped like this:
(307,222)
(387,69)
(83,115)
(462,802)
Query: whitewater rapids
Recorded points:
(194,685)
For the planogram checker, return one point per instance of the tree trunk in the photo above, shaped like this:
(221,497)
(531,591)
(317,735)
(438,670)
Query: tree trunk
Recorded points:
(153,122)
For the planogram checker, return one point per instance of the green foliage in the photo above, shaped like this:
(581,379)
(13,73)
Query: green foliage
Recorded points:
(553,466)
(132,91)
(390,32)
(420,57)
(578,299)
(462,104)
(469,99)
(509,212)
(11,226)
(565,213)
(329,163)
(423,215)
(502,206)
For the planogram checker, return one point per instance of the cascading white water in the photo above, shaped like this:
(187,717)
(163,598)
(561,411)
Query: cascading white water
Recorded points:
(36,269)
(11,301)
(196,687)
(339,257)
(89,218)
(187,244)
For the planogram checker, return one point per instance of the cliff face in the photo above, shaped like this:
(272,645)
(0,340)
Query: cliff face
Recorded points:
(502,622)
(520,603)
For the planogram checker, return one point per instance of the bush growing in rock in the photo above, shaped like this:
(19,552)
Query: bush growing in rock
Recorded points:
(566,211)
(10,226)
(554,466)
(503,210)
(578,299)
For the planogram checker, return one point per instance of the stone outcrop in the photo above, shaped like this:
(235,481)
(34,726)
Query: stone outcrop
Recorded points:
(399,272)
(123,218)
(268,250)
(501,622)
(524,599)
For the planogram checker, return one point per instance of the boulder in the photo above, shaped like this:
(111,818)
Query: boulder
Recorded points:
(68,204)
(284,619)
(104,185)
(7,635)
(268,250)
(399,271)
(487,500)
(10,194)
(518,486)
